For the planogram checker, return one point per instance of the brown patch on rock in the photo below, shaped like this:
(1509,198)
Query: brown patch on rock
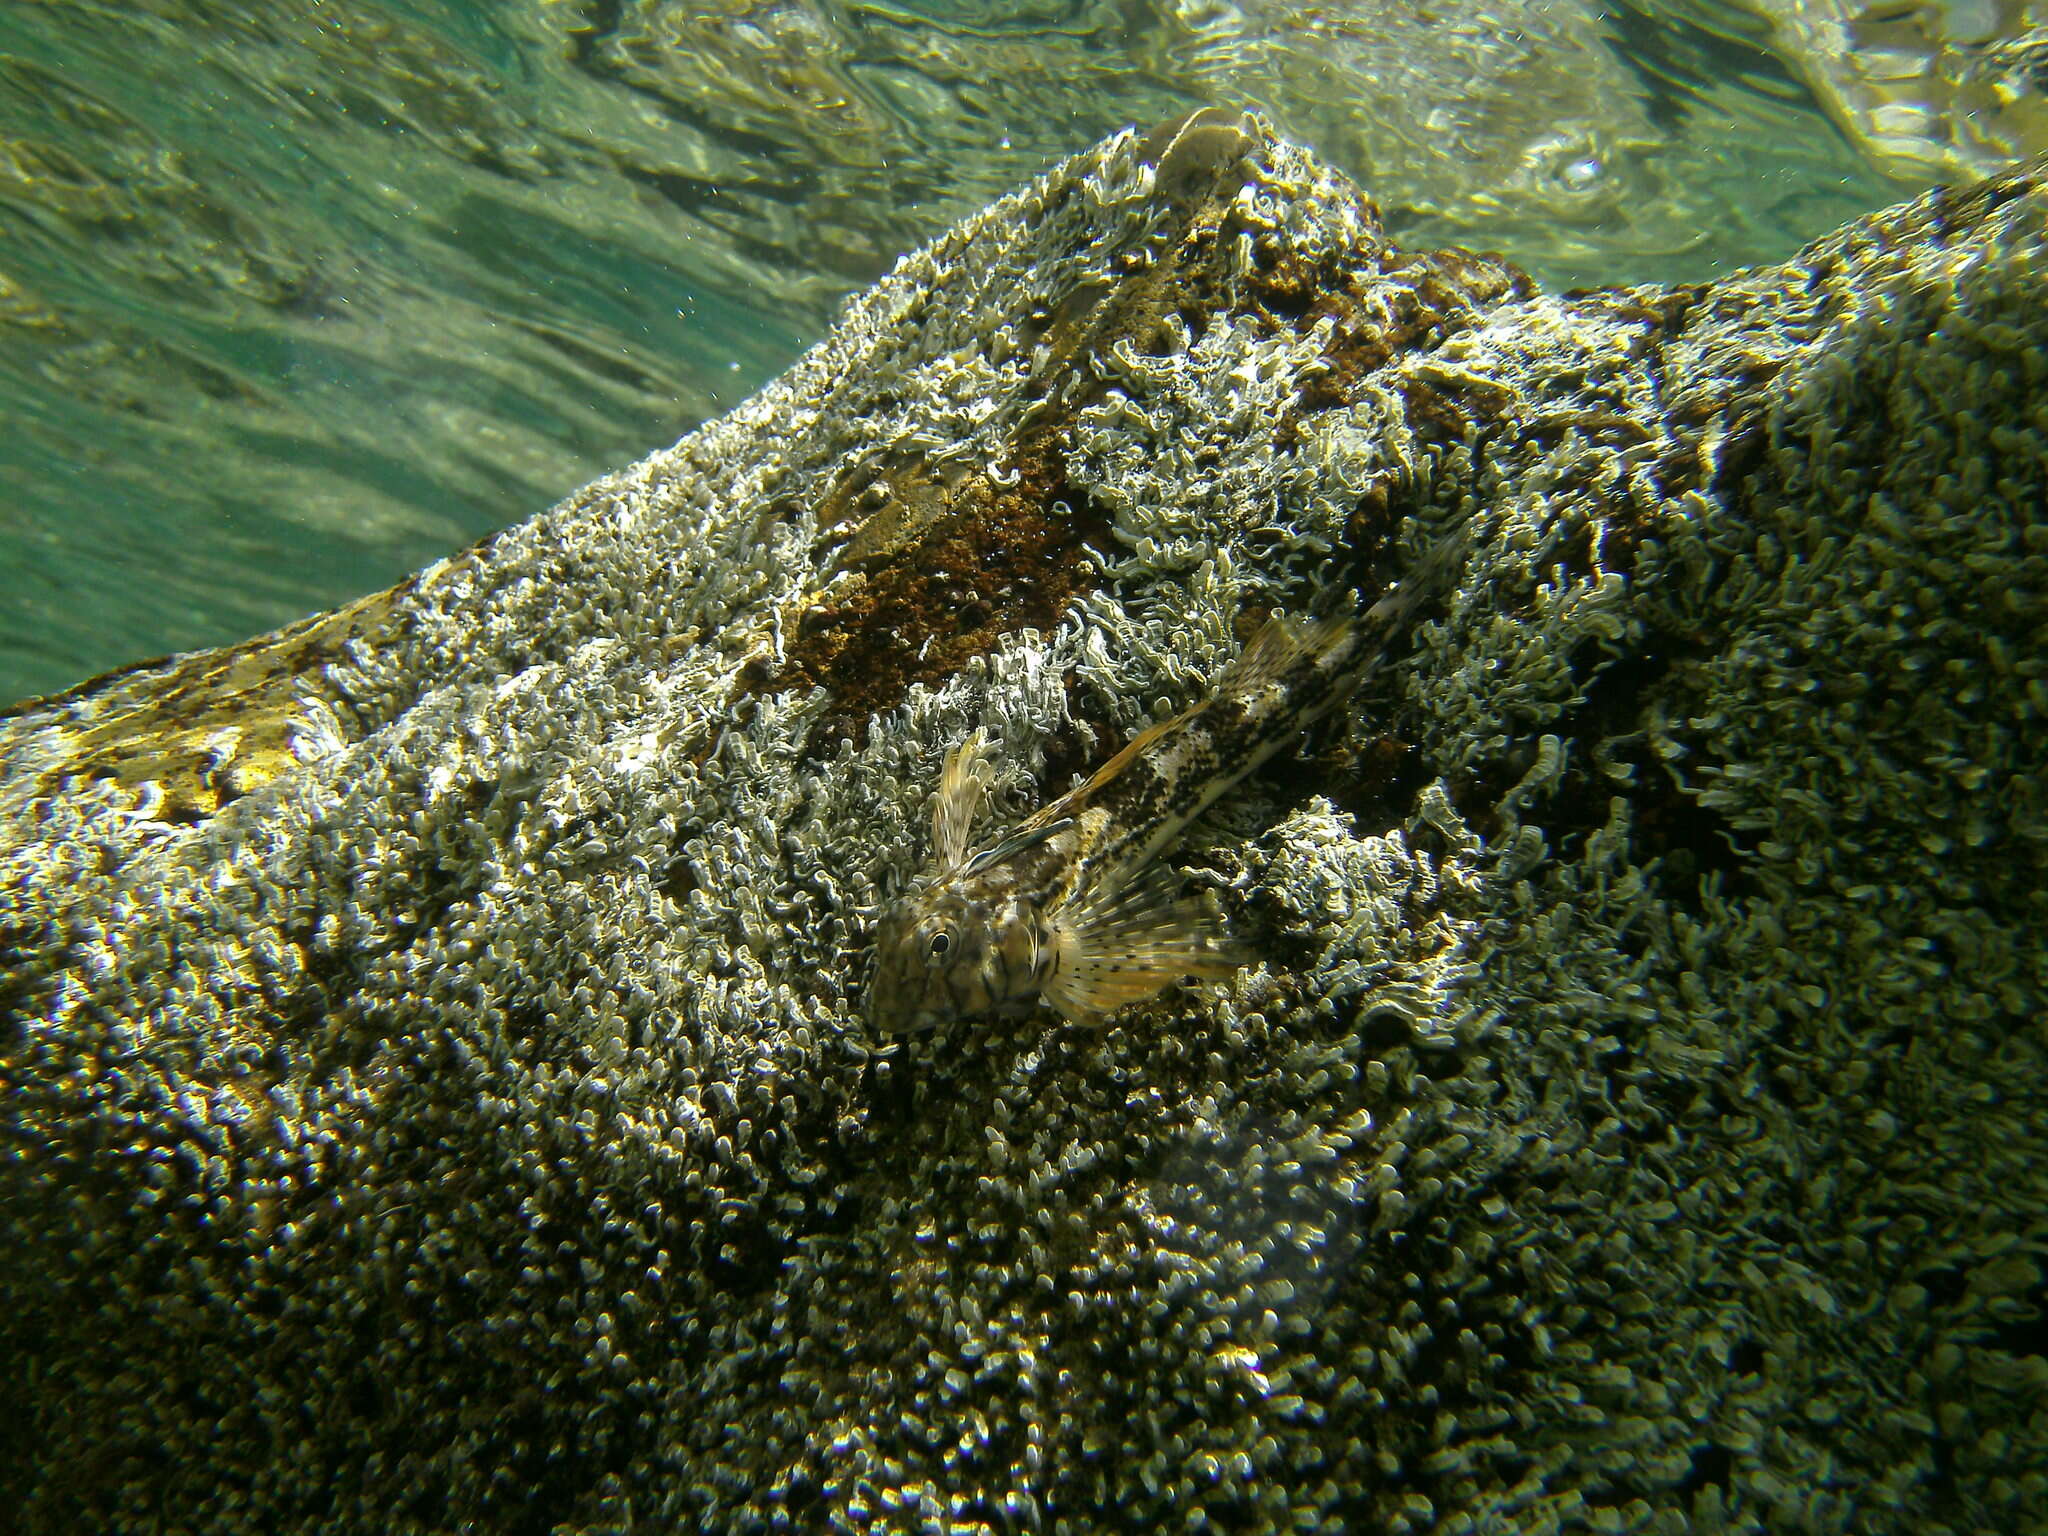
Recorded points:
(942,560)
(985,558)
(1378,310)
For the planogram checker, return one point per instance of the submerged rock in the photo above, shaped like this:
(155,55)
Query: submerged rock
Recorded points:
(434,1087)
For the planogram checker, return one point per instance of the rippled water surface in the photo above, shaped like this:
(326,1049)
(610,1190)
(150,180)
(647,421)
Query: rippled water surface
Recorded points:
(294,298)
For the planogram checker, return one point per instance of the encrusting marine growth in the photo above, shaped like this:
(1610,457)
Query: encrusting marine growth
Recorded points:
(437,1085)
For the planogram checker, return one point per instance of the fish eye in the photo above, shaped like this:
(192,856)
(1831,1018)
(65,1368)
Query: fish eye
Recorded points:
(941,942)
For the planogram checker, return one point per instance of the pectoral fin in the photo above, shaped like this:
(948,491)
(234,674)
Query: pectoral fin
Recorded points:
(1123,941)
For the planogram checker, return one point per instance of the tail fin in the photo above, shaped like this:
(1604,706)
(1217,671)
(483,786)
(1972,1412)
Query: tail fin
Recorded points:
(1434,574)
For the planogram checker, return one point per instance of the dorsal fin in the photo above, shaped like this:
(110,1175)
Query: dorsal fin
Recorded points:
(962,783)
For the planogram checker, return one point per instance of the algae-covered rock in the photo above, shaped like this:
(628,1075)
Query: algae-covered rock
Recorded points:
(435,1091)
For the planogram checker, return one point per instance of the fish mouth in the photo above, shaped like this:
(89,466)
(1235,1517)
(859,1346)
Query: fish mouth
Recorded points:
(890,1015)
(921,1022)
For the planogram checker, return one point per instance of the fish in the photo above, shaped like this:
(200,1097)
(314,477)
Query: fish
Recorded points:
(1077,906)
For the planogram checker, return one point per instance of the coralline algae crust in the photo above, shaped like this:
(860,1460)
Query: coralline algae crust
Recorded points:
(434,1087)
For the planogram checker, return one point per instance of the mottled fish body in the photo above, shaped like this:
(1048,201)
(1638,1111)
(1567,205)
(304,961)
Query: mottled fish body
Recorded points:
(1077,905)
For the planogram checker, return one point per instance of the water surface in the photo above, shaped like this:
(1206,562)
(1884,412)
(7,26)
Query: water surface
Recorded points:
(295,298)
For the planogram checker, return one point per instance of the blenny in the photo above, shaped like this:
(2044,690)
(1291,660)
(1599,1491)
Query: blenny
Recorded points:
(1077,905)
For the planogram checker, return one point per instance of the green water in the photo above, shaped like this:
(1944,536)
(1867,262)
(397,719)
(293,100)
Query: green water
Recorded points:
(297,298)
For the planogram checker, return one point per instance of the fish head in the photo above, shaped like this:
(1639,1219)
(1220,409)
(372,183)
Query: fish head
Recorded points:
(948,949)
